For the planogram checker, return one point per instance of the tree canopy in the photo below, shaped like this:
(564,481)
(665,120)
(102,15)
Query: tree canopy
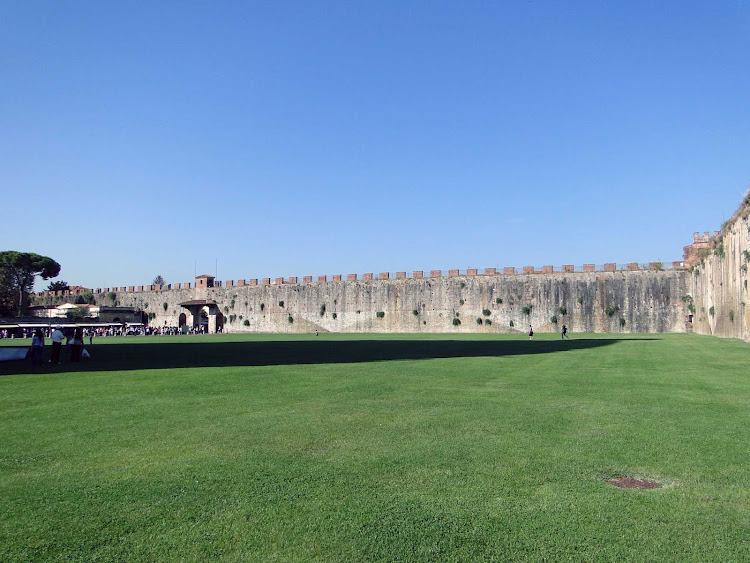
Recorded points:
(58,286)
(17,273)
(158,280)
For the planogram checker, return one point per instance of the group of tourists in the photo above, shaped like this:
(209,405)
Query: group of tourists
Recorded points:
(74,345)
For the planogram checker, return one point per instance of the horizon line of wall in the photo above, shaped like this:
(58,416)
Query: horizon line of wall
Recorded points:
(207,281)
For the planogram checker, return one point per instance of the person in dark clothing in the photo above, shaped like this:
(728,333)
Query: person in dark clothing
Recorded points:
(57,338)
(37,347)
(564,333)
(76,345)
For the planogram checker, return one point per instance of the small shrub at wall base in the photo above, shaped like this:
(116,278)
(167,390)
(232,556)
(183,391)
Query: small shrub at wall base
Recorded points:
(563,310)
(486,312)
(456,322)
(580,300)
(415,312)
(322,309)
(622,321)
(246,322)
(281,303)
(380,314)
(527,309)
(498,300)
(289,319)
(512,324)
(479,320)
(487,321)
(610,310)
(461,302)
(335,316)
(553,319)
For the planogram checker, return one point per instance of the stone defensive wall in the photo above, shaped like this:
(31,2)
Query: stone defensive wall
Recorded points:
(706,293)
(613,298)
(718,278)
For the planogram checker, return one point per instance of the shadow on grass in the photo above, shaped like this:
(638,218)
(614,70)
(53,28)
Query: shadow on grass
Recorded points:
(158,355)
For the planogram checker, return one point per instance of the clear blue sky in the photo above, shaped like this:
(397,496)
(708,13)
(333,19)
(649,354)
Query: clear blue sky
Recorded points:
(287,138)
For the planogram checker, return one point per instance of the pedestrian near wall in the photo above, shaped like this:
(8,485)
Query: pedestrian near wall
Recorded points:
(76,345)
(57,338)
(37,347)
(531,333)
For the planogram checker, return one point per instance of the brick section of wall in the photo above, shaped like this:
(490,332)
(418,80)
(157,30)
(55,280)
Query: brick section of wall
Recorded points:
(589,267)
(632,266)
(384,275)
(528,269)
(351,277)
(568,268)
(417,274)
(278,281)
(400,275)
(322,278)
(509,270)
(336,277)
(490,271)
(266,281)
(229,283)
(436,273)
(367,277)
(139,288)
(610,267)
(452,273)
(307,279)
(252,281)
(240,283)
(292,279)
(548,269)
(472,272)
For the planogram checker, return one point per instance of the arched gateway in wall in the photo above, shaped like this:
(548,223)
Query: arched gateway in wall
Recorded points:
(196,307)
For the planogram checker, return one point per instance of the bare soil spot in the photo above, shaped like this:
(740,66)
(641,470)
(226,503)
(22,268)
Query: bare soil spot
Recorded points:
(631,483)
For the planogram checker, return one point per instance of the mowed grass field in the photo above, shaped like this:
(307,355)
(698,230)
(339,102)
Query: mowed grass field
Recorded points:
(379,448)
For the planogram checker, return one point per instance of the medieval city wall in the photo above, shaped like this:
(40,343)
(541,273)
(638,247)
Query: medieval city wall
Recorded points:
(718,280)
(601,301)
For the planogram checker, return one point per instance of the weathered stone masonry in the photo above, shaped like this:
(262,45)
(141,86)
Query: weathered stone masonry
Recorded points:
(603,301)
(706,293)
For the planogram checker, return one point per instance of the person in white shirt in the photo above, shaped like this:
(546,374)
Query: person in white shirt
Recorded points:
(57,338)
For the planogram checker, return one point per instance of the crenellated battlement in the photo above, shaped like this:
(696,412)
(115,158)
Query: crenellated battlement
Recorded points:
(205,281)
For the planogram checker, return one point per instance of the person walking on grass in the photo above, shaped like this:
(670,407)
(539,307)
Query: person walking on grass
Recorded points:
(57,338)
(531,333)
(564,333)
(37,347)
(76,345)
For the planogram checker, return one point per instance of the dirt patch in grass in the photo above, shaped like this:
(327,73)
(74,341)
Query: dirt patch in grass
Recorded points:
(631,483)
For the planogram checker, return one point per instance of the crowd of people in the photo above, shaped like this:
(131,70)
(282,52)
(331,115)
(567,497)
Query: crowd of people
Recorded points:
(91,332)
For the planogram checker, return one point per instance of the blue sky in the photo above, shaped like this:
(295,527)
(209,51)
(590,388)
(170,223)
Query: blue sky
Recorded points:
(286,138)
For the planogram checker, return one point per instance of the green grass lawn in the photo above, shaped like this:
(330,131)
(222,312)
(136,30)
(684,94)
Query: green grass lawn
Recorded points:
(379,447)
